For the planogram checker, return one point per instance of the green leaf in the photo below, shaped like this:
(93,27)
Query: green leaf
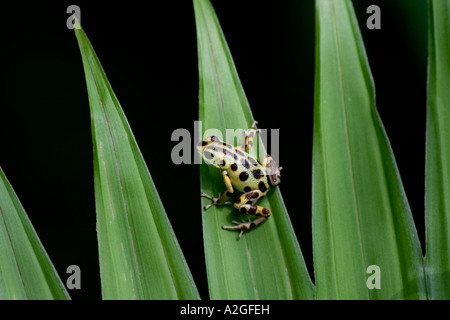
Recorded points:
(266,263)
(437,199)
(26,271)
(361,215)
(139,255)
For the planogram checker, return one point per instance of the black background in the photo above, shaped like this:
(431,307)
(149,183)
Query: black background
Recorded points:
(149,54)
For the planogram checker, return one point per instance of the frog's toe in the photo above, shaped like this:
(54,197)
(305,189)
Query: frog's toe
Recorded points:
(214,201)
(208,206)
(243,226)
(206,196)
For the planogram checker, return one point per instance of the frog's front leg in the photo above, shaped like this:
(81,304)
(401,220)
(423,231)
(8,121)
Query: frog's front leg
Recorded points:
(249,136)
(246,204)
(221,198)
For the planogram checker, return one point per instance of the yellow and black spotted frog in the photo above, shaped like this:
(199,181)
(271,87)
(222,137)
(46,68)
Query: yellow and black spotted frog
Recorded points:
(242,172)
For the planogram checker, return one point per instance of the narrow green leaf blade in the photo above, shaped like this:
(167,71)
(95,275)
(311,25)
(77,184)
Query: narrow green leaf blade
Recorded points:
(361,215)
(266,263)
(437,199)
(26,271)
(139,255)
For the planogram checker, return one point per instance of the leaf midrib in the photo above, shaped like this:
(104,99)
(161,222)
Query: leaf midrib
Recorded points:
(223,119)
(116,166)
(121,185)
(344,104)
(435,113)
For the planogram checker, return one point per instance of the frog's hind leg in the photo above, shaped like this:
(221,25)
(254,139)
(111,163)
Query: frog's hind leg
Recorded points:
(245,204)
(244,226)
(272,170)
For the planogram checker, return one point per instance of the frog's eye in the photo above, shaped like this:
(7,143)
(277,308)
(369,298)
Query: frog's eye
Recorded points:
(214,138)
(208,155)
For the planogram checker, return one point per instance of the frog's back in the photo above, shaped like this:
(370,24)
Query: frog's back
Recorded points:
(247,174)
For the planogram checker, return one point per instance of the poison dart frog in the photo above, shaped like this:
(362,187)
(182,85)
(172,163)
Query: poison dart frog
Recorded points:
(242,172)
